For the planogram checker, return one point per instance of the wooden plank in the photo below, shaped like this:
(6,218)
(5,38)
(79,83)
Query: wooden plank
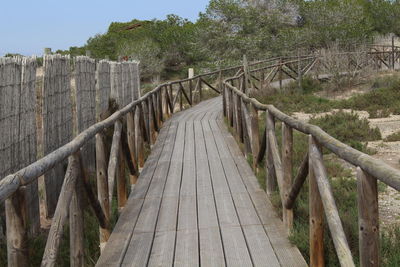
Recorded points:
(207,213)
(245,209)
(226,210)
(187,216)
(188,185)
(211,247)
(217,172)
(147,220)
(115,248)
(203,176)
(187,248)
(259,245)
(137,253)
(231,172)
(172,185)
(162,253)
(236,252)
(287,254)
(167,218)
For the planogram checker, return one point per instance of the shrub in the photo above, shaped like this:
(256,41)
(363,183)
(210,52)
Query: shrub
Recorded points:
(394,137)
(348,128)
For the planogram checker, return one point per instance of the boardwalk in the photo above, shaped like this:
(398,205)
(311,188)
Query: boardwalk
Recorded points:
(197,202)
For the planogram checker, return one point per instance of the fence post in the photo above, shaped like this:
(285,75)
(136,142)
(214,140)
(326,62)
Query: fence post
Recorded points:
(393,58)
(287,166)
(131,142)
(368,218)
(17,236)
(280,73)
(316,214)
(121,178)
(270,182)
(76,226)
(102,186)
(255,138)
(139,136)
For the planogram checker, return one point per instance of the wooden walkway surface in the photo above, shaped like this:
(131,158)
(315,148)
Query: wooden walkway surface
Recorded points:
(197,202)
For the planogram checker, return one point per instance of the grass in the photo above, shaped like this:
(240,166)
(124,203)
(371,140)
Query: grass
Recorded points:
(394,137)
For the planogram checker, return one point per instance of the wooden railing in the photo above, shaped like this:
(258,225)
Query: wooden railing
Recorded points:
(243,114)
(134,125)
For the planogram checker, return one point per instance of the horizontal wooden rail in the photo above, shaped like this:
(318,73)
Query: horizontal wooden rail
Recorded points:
(279,165)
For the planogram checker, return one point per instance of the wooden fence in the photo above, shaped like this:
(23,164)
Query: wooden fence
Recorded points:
(137,122)
(243,113)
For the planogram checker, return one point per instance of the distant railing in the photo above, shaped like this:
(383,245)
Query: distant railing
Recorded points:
(243,113)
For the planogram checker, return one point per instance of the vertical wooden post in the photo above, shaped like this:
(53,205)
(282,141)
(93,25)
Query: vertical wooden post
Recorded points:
(191,91)
(240,118)
(76,226)
(160,108)
(17,235)
(130,118)
(139,136)
(231,107)
(102,186)
(146,120)
(271,182)
(200,90)
(287,167)
(171,97)
(151,121)
(224,101)
(368,219)
(181,98)
(121,179)
(166,102)
(392,54)
(316,214)
(255,139)
(280,73)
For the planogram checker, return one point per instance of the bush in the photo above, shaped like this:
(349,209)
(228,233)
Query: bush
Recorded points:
(394,137)
(348,128)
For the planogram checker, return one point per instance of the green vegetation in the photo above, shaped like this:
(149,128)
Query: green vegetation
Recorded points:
(348,128)
(394,137)
(381,101)
(227,29)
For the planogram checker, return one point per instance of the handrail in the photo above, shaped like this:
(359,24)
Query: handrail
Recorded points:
(279,167)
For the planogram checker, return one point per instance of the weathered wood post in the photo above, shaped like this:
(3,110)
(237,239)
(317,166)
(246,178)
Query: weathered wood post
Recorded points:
(316,214)
(61,212)
(255,138)
(102,186)
(190,76)
(131,142)
(368,218)
(280,72)
(139,135)
(121,179)
(287,166)
(392,54)
(240,118)
(271,182)
(17,235)
(76,226)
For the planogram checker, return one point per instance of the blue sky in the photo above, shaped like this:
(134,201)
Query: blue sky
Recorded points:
(27,26)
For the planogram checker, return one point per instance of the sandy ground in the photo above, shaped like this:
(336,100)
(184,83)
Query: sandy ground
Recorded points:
(389,200)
